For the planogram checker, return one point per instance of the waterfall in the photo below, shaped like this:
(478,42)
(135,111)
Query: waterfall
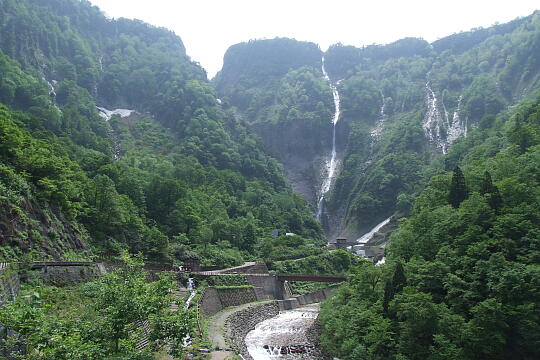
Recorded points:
(377,131)
(192,292)
(52,91)
(331,165)
(456,128)
(433,121)
(107,115)
(369,235)
(442,133)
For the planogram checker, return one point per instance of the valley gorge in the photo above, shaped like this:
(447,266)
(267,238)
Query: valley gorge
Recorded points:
(407,172)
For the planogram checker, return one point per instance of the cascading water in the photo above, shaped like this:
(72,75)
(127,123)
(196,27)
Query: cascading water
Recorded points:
(442,133)
(283,336)
(457,127)
(369,235)
(377,130)
(433,121)
(332,164)
(192,292)
(190,286)
(107,115)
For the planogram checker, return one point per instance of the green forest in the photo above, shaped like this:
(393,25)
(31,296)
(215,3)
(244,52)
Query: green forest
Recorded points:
(182,178)
(115,147)
(473,75)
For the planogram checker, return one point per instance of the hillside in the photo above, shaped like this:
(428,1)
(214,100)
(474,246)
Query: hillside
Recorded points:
(462,276)
(402,106)
(160,167)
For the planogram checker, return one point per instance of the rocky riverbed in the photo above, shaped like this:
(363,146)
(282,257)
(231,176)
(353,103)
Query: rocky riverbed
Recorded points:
(290,335)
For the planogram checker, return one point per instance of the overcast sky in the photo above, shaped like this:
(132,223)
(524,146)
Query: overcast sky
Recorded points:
(209,27)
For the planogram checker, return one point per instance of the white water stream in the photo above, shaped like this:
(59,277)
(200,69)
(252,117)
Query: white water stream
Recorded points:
(192,292)
(272,338)
(439,132)
(332,163)
(107,115)
(369,235)
(379,125)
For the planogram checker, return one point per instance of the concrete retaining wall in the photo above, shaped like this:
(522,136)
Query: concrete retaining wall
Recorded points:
(214,300)
(270,286)
(69,275)
(235,297)
(242,322)
(247,268)
(310,298)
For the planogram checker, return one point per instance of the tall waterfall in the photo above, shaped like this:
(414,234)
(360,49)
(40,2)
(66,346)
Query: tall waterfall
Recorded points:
(332,163)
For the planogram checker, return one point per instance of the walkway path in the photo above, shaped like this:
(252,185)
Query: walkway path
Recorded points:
(217,331)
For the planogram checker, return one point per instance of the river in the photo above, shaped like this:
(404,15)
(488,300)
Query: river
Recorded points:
(285,336)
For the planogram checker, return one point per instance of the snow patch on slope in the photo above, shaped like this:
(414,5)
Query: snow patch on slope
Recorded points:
(108,114)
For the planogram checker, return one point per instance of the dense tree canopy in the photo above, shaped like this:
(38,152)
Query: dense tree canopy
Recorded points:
(179,178)
(462,280)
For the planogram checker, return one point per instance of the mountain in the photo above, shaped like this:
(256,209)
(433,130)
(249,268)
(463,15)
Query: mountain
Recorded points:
(112,138)
(461,279)
(276,87)
(403,105)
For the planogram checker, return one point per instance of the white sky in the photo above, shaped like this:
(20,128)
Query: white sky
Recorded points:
(209,27)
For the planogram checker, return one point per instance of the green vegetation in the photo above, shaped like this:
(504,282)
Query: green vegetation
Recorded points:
(463,270)
(103,319)
(180,179)
(183,178)
(476,74)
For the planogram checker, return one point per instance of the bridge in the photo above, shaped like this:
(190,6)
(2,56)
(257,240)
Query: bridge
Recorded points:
(269,284)
(257,274)
(311,278)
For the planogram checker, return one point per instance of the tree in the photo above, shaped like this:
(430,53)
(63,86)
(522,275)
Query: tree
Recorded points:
(124,297)
(491,192)
(394,286)
(458,188)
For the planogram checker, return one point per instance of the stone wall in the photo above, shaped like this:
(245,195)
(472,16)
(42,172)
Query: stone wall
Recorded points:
(214,299)
(235,297)
(243,321)
(69,275)
(209,303)
(312,334)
